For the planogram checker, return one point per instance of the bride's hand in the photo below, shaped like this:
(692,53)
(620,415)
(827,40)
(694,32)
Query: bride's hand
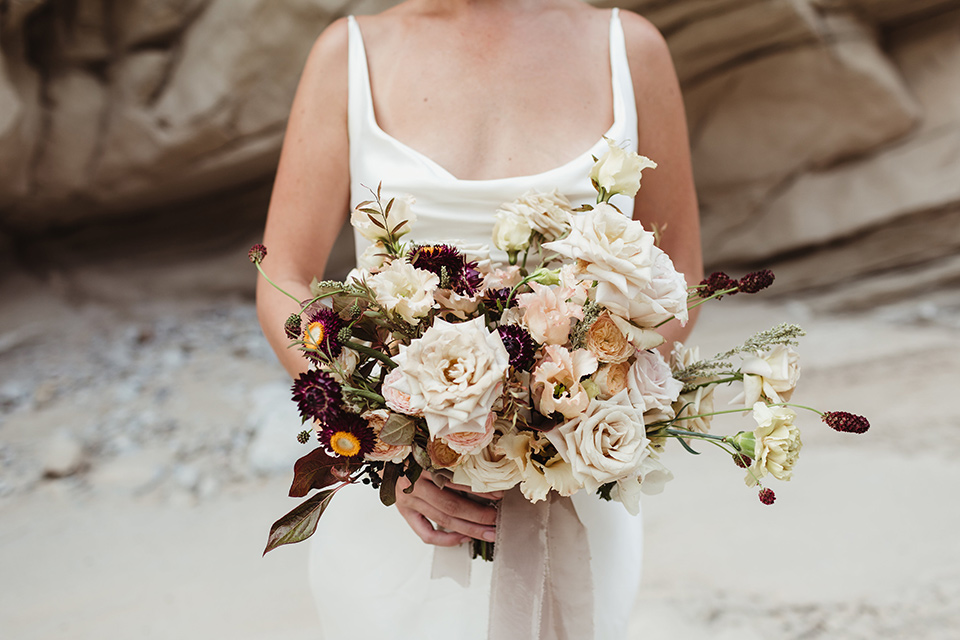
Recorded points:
(457,518)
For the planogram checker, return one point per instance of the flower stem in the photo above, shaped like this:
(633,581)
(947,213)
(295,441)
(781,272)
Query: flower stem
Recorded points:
(373,353)
(363,393)
(697,304)
(275,285)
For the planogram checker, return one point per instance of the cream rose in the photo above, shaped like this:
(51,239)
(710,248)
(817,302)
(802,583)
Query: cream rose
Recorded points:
(774,445)
(454,373)
(772,375)
(666,295)
(619,170)
(489,470)
(383,452)
(605,443)
(606,341)
(651,386)
(405,290)
(400,217)
(511,232)
(547,213)
(615,252)
(556,381)
(547,314)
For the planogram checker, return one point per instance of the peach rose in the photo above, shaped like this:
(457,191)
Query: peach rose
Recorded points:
(470,442)
(383,452)
(607,342)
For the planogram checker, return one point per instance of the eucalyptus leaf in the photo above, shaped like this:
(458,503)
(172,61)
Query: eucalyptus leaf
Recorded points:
(388,487)
(299,524)
(688,447)
(413,474)
(421,456)
(398,430)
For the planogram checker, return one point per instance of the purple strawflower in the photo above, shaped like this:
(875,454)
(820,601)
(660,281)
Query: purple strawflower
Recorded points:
(520,345)
(257,253)
(349,435)
(767,496)
(319,396)
(845,422)
(756,281)
(496,299)
(470,280)
(322,332)
(717,282)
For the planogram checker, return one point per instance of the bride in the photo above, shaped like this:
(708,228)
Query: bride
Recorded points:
(465,104)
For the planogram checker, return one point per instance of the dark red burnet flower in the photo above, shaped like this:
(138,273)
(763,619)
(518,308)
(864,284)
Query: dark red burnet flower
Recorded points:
(717,281)
(321,335)
(767,496)
(845,422)
(349,436)
(520,345)
(742,461)
(756,281)
(318,396)
(257,253)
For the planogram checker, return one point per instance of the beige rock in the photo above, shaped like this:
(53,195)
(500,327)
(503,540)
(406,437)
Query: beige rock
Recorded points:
(149,21)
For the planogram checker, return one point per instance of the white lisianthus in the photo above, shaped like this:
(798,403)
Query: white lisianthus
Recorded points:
(614,251)
(641,339)
(511,231)
(651,480)
(619,170)
(651,386)
(454,374)
(547,314)
(605,443)
(489,470)
(538,477)
(405,290)
(555,383)
(774,445)
(547,213)
(772,374)
(400,217)
(373,258)
(666,295)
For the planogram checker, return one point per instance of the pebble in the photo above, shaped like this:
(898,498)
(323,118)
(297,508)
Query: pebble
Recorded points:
(63,456)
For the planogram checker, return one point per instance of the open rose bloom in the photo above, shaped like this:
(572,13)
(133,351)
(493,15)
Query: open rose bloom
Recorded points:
(544,375)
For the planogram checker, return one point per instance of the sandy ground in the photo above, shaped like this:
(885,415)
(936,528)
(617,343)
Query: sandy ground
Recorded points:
(154,414)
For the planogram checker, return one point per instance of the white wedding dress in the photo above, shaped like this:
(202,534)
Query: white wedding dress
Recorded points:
(369,572)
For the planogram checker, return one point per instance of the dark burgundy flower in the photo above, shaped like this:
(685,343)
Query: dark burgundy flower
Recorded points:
(520,345)
(348,436)
(437,257)
(741,460)
(318,395)
(321,334)
(767,496)
(292,326)
(846,422)
(257,253)
(756,281)
(717,282)
(470,280)
(496,299)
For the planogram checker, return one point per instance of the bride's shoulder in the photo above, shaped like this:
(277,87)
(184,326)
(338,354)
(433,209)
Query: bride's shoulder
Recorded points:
(646,50)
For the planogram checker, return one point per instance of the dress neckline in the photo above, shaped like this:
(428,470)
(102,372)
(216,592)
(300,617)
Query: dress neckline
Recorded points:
(442,172)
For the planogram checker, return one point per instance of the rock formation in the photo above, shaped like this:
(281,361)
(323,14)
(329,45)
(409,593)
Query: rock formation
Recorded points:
(825,133)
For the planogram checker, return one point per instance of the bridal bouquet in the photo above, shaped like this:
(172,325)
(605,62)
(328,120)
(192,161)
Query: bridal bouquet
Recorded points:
(541,372)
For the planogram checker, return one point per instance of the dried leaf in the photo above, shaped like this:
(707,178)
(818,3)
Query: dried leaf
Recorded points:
(398,430)
(318,470)
(299,524)
(376,222)
(413,474)
(388,487)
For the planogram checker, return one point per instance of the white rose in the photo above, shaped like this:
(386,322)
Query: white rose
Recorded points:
(606,443)
(666,295)
(619,170)
(454,373)
(405,290)
(776,443)
(547,213)
(614,251)
(489,470)
(652,387)
(511,232)
(400,218)
(772,375)
(611,379)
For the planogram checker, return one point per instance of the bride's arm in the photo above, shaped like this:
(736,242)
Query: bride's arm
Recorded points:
(668,199)
(310,202)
